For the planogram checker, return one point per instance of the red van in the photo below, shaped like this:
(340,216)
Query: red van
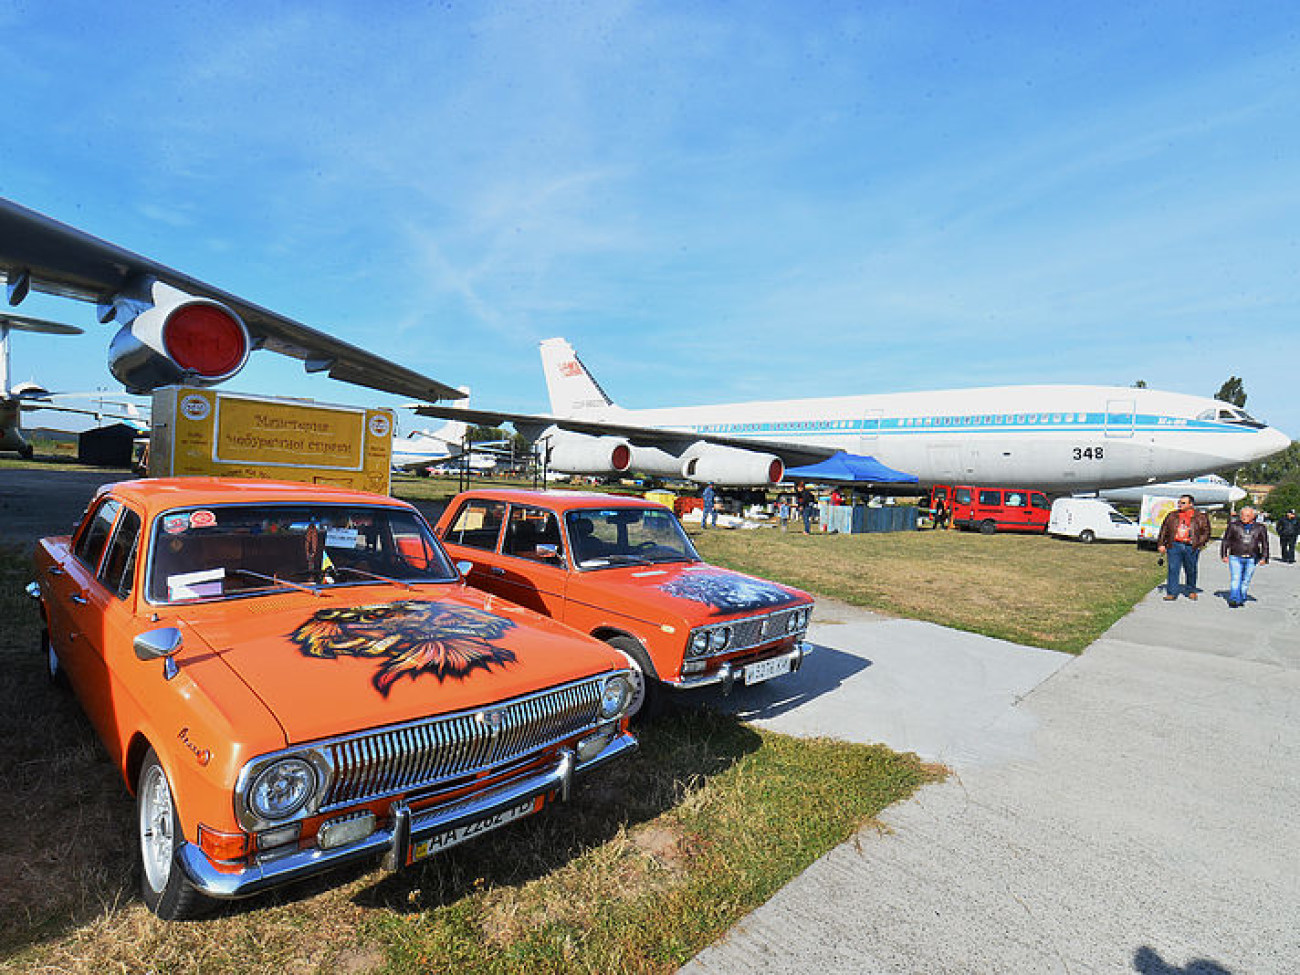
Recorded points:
(995,509)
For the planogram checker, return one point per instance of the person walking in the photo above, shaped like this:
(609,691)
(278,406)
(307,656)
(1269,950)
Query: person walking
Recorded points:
(805,500)
(1244,548)
(940,515)
(1288,527)
(710,512)
(1183,533)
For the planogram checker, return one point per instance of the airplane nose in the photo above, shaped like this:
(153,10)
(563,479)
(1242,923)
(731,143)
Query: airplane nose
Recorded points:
(1271,440)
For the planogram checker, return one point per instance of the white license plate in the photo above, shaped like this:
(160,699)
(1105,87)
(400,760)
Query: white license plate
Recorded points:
(766,670)
(459,834)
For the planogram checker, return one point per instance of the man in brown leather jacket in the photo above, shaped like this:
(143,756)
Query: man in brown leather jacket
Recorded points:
(1183,533)
(1244,547)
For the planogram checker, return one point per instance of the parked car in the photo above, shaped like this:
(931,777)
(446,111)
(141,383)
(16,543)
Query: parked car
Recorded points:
(990,510)
(623,570)
(292,677)
(1090,520)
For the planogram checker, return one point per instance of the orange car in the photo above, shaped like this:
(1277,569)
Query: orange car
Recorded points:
(292,677)
(622,569)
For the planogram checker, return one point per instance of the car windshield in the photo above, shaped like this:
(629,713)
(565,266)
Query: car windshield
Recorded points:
(601,537)
(219,551)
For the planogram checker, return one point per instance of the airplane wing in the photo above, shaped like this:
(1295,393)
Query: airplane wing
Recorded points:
(37,252)
(531,426)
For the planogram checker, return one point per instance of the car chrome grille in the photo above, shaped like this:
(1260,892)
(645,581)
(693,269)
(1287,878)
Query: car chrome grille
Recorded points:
(755,631)
(425,753)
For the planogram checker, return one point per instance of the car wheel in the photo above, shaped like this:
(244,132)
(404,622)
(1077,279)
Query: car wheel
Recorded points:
(647,694)
(166,891)
(988,526)
(1087,537)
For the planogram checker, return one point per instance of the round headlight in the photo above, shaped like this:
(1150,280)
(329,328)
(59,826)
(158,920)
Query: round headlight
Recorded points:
(720,638)
(614,696)
(700,642)
(792,621)
(282,788)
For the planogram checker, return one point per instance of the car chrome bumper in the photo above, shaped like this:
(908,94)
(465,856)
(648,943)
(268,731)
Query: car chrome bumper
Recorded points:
(392,842)
(727,675)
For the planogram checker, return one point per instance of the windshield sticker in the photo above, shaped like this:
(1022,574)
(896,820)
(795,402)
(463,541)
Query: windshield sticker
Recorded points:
(175,524)
(726,592)
(341,538)
(410,638)
(202,519)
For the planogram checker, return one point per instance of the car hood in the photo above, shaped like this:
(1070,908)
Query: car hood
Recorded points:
(339,664)
(690,591)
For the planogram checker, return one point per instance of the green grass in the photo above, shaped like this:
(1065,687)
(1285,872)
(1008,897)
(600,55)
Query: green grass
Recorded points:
(1029,589)
(651,861)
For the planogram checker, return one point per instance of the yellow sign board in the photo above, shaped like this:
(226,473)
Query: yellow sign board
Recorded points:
(210,432)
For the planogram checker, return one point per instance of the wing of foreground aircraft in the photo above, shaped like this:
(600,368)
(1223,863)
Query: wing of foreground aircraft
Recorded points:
(174,327)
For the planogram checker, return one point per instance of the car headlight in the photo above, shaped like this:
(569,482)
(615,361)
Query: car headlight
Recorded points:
(614,697)
(719,638)
(700,643)
(282,788)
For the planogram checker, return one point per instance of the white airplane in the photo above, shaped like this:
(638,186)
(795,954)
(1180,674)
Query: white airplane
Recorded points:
(16,399)
(1060,439)
(422,450)
(1208,491)
(175,328)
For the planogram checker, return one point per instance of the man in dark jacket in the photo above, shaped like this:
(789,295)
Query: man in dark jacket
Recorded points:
(1183,533)
(1244,546)
(1288,528)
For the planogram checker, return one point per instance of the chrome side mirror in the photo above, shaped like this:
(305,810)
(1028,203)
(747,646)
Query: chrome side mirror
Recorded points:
(153,644)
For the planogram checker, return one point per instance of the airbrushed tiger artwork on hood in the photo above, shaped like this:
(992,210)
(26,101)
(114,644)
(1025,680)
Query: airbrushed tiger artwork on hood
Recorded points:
(409,638)
(726,592)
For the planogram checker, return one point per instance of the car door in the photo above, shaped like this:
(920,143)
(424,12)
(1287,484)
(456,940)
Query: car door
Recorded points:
(473,535)
(1040,511)
(532,570)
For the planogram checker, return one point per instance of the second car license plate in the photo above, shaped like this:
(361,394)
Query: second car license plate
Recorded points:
(766,670)
(459,834)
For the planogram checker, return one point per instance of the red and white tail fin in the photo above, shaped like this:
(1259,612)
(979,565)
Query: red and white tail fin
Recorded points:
(573,390)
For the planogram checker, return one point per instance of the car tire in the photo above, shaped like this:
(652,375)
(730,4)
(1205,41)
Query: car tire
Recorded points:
(163,886)
(988,526)
(647,692)
(1087,536)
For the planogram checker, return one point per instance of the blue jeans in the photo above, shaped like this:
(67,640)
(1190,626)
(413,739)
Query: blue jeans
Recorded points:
(1240,569)
(1183,560)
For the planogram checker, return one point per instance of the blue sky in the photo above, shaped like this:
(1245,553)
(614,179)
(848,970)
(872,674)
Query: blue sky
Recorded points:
(713,201)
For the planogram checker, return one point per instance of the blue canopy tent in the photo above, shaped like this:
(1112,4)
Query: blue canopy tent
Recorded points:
(849,469)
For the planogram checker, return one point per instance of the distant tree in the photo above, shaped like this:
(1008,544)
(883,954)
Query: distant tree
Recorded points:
(1233,391)
(1283,498)
(1282,466)
(1139,384)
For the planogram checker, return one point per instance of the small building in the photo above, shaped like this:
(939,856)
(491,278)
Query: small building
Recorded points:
(108,446)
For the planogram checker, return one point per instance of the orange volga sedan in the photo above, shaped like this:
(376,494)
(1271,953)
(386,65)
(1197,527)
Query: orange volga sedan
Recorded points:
(292,677)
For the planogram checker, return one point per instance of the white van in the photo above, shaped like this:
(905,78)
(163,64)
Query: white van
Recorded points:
(1090,519)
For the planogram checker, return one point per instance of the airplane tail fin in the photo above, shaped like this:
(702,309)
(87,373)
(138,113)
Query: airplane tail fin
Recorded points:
(573,390)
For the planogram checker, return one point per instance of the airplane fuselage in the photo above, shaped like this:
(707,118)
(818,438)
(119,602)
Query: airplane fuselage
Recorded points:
(1057,438)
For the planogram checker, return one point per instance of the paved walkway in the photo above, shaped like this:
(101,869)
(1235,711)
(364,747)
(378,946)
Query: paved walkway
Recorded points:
(1136,809)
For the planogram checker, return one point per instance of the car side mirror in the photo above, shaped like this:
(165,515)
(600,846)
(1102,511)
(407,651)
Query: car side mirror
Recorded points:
(153,644)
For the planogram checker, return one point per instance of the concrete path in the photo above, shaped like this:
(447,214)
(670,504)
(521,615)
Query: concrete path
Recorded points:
(1136,809)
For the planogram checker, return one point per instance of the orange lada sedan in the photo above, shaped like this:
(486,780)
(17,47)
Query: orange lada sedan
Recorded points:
(292,677)
(623,570)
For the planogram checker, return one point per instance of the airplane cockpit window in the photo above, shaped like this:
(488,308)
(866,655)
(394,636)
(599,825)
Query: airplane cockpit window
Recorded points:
(1231,414)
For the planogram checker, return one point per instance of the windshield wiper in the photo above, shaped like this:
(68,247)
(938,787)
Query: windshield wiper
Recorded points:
(276,580)
(614,559)
(371,575)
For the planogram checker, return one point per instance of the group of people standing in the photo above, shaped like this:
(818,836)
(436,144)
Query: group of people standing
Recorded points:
(802,505)
(1185,531)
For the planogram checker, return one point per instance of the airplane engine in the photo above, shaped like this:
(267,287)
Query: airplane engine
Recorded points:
(175,338)
(732,466)
(580,453)
(655,461)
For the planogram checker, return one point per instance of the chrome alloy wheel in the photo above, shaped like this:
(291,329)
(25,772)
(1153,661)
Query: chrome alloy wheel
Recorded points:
(157,842)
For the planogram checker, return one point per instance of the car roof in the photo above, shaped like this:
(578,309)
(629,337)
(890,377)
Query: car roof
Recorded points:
(559,500)
(154,494)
